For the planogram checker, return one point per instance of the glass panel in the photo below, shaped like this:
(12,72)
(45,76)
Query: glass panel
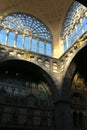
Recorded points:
(74,35)
(84,22)
(75,11)
(28,24)
(11,38)
(19,41)
(48,49)
(79,29)
(41,47)
(34,45)
(69,40)
(65,45)
(3,35)
(26,43)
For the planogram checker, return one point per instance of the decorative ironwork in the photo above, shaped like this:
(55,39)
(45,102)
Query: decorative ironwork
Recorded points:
(26,24)
(25,32)
(74,13)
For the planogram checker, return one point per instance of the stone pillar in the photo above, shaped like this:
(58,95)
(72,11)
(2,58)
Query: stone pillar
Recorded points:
(63,117)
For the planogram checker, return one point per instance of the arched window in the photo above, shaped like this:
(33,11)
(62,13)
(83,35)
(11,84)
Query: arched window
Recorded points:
(11,39)
(3,35)
(26,29)
(73,23)
(19,41)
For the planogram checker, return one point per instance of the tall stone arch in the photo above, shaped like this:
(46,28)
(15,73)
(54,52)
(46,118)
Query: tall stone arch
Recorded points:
(18,67)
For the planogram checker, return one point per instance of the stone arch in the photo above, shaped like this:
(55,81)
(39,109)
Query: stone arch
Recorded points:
(73,67)
(23,68)
(27,66)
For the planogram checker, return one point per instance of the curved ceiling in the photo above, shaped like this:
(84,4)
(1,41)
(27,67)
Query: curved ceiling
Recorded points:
(51,12)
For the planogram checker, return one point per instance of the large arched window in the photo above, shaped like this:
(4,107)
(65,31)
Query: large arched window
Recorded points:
(26,32)
(75,24)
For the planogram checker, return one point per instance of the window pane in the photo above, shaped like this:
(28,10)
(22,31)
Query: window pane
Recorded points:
(84,22)
(34,45)
(69,41)
(41,47)
(74,35)
(48,49)
(79,28)
(11,38)
(65,45)
(26,43)
(19,41)
(3,35)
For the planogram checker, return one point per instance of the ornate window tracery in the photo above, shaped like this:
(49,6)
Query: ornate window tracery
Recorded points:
(75,24)
(26,32)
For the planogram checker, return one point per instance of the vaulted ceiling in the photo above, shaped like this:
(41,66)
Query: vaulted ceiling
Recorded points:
(51,12)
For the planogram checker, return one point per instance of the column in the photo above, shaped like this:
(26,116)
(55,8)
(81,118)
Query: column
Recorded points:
(63,117)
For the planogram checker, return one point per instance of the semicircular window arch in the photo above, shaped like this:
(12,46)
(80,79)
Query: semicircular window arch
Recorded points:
(28,31)
(74,25)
